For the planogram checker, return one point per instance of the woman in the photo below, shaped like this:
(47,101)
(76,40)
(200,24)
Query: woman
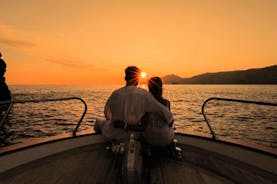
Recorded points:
(157,131)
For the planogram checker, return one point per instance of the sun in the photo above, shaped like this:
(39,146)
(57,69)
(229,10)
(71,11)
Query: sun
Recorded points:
(143,74)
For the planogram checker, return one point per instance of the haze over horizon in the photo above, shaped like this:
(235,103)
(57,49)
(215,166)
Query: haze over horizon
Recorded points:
(91,42)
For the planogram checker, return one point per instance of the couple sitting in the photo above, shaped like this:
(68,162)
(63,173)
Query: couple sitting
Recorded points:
(133,106)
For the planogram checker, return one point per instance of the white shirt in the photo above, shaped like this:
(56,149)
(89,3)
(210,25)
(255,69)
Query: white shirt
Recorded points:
(130,103)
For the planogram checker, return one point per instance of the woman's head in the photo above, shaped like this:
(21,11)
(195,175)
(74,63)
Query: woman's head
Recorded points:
(155,86)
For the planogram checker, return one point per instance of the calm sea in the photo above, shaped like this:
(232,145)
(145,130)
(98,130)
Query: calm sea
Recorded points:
(228,119)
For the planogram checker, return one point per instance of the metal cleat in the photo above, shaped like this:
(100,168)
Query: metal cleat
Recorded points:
(118,149)
(177,151)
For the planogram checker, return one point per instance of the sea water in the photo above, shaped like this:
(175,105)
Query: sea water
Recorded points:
(246,122)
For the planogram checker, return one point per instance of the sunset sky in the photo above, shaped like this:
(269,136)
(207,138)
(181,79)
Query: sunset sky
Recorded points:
(92,41)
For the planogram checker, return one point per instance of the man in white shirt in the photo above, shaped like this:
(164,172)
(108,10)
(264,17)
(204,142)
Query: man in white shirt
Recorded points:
(127,105)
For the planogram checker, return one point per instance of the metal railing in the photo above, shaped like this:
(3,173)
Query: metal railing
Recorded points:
(12,102)
(230,100)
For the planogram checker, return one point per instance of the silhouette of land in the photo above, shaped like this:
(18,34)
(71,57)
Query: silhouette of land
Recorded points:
(266,75)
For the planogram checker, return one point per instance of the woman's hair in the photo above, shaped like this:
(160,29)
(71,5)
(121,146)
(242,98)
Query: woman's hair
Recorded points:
(155,86)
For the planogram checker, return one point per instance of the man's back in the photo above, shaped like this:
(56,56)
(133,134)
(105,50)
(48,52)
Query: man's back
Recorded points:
(130,103)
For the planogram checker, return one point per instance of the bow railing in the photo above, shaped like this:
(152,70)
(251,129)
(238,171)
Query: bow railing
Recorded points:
(9,105)
(230,100)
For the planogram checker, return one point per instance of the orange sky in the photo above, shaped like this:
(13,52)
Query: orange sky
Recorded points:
(92,41)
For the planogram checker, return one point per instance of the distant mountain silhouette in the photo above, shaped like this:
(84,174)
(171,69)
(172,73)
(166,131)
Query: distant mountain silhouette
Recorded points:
(173,79)
(266,75)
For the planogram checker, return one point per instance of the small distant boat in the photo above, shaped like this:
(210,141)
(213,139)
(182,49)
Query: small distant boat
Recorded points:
(88,158)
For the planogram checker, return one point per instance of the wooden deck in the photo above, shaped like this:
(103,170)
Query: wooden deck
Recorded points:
(94,164)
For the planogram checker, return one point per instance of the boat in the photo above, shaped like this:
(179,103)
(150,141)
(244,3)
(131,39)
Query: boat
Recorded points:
(89,158)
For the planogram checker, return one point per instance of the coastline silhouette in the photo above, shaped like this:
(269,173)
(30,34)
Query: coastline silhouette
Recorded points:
(265,75)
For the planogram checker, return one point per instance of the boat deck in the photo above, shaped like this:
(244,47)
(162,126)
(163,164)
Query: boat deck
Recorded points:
(94,164)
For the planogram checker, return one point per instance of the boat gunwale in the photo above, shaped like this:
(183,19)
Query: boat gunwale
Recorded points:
(241,153)
(39,143)
(262,149)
